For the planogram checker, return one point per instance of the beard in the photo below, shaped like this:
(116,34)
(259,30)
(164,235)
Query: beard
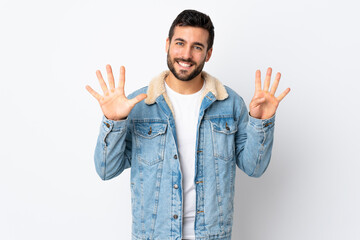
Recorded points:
(183,75)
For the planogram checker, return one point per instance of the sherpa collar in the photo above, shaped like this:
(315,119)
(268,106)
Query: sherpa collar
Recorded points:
(157,87)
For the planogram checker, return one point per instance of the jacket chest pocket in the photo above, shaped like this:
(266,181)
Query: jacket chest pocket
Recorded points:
(150,141)
(223,137)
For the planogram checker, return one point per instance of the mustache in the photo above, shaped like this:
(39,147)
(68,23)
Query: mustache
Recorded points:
(185,60)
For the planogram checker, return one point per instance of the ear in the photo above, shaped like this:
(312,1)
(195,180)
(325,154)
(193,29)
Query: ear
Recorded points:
(208,54)
(167,45)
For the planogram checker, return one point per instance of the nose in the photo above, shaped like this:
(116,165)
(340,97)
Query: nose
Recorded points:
(187,52)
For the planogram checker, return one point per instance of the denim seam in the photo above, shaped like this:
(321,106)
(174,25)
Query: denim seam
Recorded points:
(104,161)
(216,236)
(219,203)
(260,152)
(233,169)
(104,154)
(158,183)
(207,117)
(142,212)
(201,188)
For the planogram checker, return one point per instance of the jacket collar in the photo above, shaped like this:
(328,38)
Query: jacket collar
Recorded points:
(157,88)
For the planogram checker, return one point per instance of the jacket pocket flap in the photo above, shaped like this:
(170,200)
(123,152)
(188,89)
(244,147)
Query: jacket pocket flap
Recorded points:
(149,129)
(224,125)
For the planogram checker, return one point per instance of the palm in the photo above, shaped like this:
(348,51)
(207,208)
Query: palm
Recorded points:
(264,103)
(113,103)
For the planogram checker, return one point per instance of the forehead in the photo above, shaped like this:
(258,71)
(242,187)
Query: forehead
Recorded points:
(191,34)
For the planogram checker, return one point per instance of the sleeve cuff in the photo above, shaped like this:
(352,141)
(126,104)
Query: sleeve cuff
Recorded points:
(261,123)
(113,126)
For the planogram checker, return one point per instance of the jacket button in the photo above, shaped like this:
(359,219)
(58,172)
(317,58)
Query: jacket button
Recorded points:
(175,156)
(175,216)
(176,186)
(107,125)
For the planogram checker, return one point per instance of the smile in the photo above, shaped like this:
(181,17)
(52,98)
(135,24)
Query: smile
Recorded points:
(185,64)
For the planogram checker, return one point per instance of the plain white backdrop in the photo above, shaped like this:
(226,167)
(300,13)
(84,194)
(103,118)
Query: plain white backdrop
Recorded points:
(49,51)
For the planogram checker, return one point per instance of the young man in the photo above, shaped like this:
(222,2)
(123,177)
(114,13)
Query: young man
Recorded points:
(184,141)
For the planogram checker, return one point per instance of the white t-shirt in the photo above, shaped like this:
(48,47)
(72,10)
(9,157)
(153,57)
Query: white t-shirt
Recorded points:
(186,110)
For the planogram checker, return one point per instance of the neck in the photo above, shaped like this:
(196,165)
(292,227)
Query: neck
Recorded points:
(184,87)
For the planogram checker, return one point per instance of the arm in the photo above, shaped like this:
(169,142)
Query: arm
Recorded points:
(113,148)
(254,140)
(255,134)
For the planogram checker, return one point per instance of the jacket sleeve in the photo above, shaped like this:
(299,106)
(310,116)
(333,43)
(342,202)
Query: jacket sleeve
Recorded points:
(113,148)
(254,140)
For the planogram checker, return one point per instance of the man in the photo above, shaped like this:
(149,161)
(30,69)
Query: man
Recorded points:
(183,142)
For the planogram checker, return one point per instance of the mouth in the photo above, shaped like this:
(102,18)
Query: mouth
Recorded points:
(184,64)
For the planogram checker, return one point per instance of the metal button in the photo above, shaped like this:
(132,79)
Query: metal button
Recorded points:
(107,125)
(267,124)
(175,216)
(176,186)
(150,131)
(175,156)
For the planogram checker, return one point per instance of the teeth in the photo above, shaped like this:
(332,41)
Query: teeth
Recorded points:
(184,64)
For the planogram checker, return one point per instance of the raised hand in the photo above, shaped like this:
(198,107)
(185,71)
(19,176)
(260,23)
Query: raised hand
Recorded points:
(114,104)
(264,103)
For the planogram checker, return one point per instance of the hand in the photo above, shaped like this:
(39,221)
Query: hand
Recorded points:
(114,104)
(264,103)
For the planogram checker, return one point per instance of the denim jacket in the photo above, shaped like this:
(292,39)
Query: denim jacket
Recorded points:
(146,141)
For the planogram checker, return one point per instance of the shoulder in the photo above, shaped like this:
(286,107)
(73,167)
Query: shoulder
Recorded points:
(137,92)
(234,102)
(234,96)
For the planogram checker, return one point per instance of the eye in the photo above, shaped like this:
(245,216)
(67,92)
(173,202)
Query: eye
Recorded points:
(198,48)
(179,43)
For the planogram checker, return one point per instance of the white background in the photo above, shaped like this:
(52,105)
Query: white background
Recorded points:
(49,51)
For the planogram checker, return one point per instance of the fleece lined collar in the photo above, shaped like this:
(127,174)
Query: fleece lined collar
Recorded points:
(157,87)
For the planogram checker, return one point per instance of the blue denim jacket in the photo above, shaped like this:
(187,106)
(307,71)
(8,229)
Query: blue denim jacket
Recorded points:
(146,141)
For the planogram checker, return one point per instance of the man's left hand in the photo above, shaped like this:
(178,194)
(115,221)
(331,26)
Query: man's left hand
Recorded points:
(264,103)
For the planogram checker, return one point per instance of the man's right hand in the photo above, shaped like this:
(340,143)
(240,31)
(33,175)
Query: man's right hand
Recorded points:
(114,104)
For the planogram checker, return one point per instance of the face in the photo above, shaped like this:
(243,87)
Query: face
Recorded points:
(187,52)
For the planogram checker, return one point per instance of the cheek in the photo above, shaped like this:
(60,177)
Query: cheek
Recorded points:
(175,51)
(199,57)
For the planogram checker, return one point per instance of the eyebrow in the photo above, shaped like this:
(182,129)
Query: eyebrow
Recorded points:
(195,43)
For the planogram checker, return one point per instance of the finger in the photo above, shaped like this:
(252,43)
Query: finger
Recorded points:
(257,80)
(137,99)
(283,94)
(122,80)
(110,77)
(102,82)
(93,92)
(275,84)
(267,79)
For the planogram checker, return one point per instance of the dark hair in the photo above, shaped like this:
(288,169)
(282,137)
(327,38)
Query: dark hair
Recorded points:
(194,18)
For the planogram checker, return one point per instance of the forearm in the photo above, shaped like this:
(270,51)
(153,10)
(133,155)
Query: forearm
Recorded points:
(255,156)
(110,153)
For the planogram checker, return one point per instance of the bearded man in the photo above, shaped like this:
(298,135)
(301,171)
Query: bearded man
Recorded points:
(184,141)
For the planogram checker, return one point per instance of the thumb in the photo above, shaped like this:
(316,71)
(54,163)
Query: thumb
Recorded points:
(137,99)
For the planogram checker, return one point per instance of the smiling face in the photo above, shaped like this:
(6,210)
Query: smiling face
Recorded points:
(187,52)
